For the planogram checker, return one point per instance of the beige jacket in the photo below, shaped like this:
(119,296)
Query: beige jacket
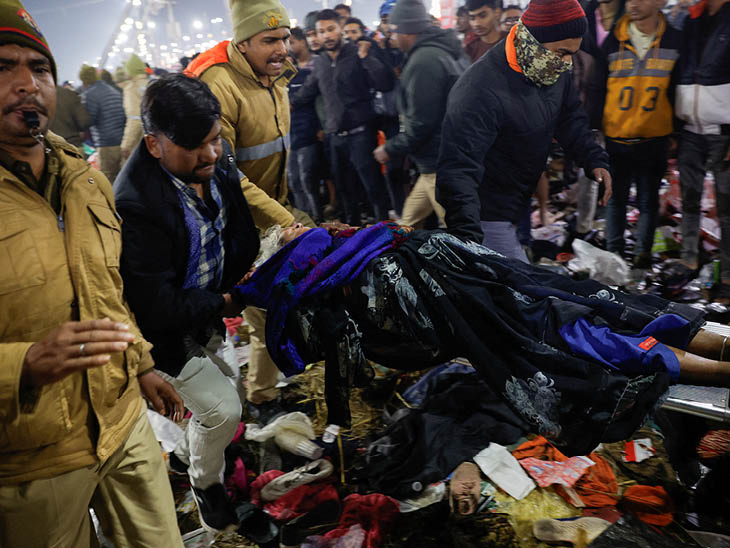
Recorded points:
(256,122)
(133,91)
(56,269)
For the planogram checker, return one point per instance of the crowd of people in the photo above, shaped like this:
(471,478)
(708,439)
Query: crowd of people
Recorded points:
(118,275)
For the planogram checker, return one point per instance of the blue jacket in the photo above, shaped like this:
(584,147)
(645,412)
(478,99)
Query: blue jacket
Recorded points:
(106,114)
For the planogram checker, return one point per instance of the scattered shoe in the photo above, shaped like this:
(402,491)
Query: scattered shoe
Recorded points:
(265,412)
(323,518)
(256,525)
(215,510)
(175,465)
(465,489)
(308,473)
(569,530)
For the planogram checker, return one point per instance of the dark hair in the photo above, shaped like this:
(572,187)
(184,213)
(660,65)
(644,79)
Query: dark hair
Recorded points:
(298,33)
(343,7)
(181,108)
(355,21)
(473,5)
(462,11)
(328,15)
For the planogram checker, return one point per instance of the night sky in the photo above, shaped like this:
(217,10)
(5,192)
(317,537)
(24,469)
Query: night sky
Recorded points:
(78,30)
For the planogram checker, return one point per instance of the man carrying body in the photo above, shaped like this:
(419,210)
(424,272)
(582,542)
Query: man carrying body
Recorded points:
(249,76)
(501,117)
(188,238)
(344,77)
(434,62)
(74,428)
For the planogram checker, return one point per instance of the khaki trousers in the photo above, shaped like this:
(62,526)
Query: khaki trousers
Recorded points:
(421,202)
(110,160)
(262,371)
(130,494)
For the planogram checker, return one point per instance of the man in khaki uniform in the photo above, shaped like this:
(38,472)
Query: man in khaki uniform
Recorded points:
(249,76)
(73,427)
(132,93)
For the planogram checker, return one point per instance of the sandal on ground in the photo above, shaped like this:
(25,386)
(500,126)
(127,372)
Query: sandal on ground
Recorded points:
(584,529)
(676,275)
(465,489)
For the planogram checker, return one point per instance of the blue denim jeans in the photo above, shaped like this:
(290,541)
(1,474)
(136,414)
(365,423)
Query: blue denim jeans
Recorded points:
(303,181)
(644,164)
(352,157)
(501,236)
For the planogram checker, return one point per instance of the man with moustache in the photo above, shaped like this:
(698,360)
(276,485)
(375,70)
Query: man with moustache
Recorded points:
(344,77)
(74,432)
(249,76)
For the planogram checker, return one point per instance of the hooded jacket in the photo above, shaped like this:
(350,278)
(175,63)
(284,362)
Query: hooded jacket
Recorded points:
(703,93)
(346,83)
(62,268)
(432,66)
(633,95)
(157,250)
(496,137)
(133,91)
(255,122)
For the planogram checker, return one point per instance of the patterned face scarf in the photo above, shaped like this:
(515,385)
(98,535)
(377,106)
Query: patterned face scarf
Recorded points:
(540,65)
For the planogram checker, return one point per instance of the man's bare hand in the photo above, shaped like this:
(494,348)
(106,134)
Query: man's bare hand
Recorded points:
(72,347)
(381,155)
(603,176)
(363,48)
(162,396)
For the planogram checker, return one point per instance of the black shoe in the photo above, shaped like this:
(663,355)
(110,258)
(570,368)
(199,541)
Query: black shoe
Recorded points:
(215,510)
(256,525)
(266,412)
(175,465)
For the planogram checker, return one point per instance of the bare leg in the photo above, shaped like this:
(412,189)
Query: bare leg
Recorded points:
(701,371)
(709,344)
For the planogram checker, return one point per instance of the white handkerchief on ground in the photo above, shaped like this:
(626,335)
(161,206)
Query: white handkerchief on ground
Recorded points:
(502,468)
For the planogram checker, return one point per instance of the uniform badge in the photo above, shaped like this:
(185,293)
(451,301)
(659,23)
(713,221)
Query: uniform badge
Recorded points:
(25,16)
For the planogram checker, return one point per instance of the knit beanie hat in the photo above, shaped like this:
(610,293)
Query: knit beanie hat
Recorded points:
(310,21)
(18,27)
(410,17)
(253,16)
(555,20)
(88,75)
(135,66)
(120,75)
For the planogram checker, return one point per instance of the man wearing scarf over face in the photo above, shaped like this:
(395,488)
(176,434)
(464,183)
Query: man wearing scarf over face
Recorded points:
(501,117)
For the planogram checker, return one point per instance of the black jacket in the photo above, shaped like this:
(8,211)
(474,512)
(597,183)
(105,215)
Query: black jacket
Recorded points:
(155,255)
(495,141)
(346,83)
(703,93)
(433,65)
(304,120)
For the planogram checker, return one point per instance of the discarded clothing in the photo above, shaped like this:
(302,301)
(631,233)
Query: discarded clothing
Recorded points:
(375,513)
(504,471)
(565,473)
(652,505)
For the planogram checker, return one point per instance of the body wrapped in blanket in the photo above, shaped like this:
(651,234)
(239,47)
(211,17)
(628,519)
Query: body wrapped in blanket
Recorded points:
(578,361)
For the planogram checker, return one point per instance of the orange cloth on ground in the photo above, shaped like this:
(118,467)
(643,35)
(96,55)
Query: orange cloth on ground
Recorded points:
(596,488)
(651,505)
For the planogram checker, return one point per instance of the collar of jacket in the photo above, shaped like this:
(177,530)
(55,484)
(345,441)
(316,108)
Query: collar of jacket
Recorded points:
(622,30)
(696,11)
(239,63)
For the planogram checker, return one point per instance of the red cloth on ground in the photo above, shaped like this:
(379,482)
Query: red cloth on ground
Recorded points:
(237,482)
(375,513)
(259,482)
(596,488)
(301,500)
(651,505)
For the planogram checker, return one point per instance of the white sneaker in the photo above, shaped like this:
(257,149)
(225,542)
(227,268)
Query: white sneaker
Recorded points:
(308,473)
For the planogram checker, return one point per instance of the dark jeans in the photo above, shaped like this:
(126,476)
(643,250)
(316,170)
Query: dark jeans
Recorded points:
(698,153)
(395,173)
(303,181)
(352,156)
(642,163)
